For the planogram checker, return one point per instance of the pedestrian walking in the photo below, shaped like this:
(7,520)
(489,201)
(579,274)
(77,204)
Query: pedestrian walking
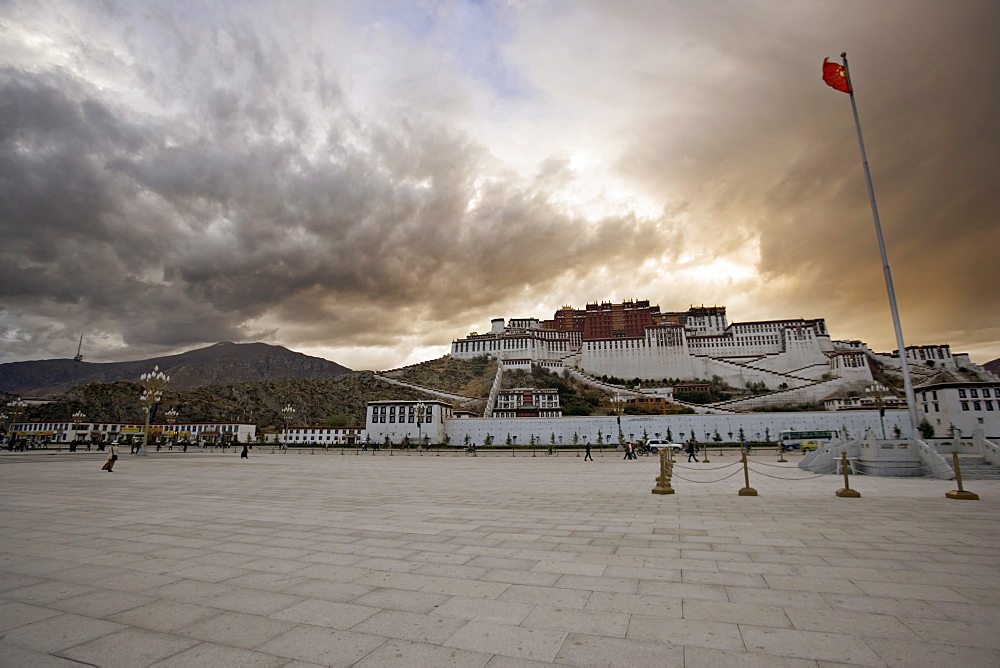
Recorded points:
(691,452)
(245,454)
(110,464)
(587,456)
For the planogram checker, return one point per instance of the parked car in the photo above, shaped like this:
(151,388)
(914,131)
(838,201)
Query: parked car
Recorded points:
(656,446)
(809,446)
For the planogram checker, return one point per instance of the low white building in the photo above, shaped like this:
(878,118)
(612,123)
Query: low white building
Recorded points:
(523,402)
(322,435)
(64,431)
(410,421)
(958,409)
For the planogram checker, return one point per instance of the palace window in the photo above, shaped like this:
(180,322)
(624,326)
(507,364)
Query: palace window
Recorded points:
(961,394)
(965,405)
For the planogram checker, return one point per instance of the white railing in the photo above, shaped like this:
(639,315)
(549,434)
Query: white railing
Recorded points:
(988,449)
(934,465)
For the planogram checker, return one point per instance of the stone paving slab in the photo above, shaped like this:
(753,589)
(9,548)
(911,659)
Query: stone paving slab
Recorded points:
(434,560)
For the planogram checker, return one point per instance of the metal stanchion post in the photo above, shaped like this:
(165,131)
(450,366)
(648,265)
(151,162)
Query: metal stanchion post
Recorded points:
(666,473)
(959,493)
(781,453)
(846,492)
(748,490)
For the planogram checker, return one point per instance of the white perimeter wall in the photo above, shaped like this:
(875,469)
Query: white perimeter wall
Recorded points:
(753,424)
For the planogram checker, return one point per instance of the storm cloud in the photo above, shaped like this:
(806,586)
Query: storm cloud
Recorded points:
(367,181)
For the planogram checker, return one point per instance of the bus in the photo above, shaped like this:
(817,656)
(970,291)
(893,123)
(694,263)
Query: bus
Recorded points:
(793,439)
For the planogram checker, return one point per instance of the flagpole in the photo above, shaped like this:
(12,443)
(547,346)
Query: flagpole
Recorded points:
(911,401)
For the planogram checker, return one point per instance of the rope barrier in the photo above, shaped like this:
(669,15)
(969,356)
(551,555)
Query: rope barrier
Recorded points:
(702,468)
(774,465)
(778,477)
(703,482)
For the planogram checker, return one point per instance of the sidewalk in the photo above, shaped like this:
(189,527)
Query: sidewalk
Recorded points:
(329,559)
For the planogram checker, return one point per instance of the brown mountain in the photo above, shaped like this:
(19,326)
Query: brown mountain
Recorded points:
(993,367)
(219,364)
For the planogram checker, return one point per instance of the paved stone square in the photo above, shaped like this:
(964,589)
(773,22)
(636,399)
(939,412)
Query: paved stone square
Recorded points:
(295,559)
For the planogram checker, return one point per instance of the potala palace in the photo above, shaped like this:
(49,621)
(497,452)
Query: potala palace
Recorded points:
(796,359)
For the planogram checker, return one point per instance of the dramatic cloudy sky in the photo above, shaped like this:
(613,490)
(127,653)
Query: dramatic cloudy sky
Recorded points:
(366,181)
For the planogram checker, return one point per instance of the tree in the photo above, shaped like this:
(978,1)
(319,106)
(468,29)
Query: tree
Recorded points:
(742,436)
(467,440)
(767,434)
(926,429)
(338,420)
(600,438)
(717,437)
(576,438)
(488,441)
(509,441)
(670,435)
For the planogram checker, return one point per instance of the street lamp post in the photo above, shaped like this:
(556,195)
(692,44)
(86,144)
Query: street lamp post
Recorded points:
(78,418)
(286,414)
(421,412)
(171,416)
(153,384)
(619,403)
(14,410)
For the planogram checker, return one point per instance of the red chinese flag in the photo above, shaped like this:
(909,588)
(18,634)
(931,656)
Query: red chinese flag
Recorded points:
(835,76)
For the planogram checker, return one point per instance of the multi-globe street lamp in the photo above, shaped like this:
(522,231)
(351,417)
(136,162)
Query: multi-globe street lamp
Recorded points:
(153,384)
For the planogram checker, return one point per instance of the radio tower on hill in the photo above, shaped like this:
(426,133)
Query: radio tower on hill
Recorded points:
(76,361)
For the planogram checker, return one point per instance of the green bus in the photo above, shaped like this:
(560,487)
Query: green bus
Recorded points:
(793,439)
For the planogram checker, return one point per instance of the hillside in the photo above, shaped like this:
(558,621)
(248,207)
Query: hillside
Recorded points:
(338,401)
(470,378)
(474,377)
(993,367)
(219,364)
